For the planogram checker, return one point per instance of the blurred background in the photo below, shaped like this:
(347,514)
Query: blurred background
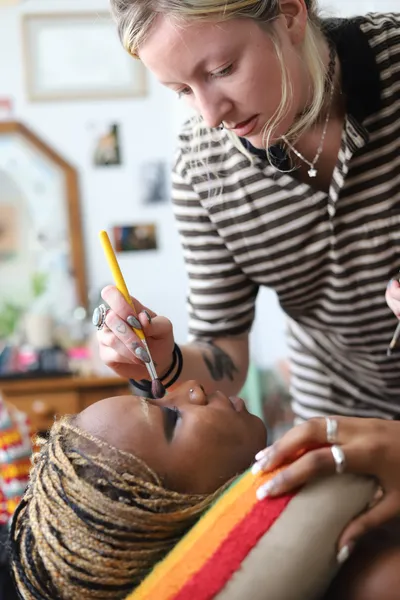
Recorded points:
(87,142)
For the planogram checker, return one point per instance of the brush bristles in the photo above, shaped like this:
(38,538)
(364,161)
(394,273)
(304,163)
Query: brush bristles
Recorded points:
(157,389)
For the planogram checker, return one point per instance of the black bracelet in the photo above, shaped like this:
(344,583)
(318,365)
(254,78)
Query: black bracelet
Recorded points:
(144,385)
(177,359)
(174,361)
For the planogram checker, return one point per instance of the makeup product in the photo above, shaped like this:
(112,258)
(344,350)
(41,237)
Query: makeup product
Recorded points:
(394,341)
(157,388)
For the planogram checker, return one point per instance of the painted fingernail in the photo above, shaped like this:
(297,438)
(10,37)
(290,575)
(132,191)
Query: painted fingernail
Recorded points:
(264,453)
(148,317)
(260,465)
(389,283)
(265,490)
(141,353)
(344,553)
(134,322)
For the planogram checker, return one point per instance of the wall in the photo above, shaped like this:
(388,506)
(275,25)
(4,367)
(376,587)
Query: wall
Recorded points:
(108,195)
(148,128)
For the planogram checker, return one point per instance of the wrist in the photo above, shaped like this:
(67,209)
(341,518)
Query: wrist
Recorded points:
(168,379)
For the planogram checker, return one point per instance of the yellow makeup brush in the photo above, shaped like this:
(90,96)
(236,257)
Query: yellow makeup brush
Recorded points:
(157,388)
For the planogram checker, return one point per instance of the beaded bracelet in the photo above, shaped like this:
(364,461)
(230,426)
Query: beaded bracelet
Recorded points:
(145,385)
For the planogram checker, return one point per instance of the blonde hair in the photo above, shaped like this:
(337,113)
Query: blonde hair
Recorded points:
(135,18)
(94,520)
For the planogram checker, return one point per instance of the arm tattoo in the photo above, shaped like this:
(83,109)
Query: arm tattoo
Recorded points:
(219,364)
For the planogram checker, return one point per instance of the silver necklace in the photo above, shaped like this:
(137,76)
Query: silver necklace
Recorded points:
(312,171)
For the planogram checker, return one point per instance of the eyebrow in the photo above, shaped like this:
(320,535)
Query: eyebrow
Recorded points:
(145,409)
(146,413)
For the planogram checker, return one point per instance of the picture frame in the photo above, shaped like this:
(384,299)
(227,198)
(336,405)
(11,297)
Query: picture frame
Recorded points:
(78,56)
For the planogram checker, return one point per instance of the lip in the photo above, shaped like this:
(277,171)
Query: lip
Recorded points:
(237,403)
(245,127)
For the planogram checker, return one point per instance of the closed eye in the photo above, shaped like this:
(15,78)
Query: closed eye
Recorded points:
(223,72)
(171,416)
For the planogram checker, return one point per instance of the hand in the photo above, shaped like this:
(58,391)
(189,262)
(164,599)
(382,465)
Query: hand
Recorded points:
(118,342)
(371,447)
(393,296)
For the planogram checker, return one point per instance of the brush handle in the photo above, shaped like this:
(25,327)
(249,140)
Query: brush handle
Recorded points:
(117,274)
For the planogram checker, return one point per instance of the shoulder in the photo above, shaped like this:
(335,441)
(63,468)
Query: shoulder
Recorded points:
(381,28)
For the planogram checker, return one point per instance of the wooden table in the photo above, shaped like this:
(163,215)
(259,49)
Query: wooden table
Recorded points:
(43,399)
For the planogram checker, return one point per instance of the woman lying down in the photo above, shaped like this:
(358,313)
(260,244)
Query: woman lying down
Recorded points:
(114,488)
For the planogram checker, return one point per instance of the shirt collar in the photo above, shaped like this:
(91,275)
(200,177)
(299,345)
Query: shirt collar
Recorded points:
(361,82)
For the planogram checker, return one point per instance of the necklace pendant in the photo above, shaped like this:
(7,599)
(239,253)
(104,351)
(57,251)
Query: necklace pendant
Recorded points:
(312,172)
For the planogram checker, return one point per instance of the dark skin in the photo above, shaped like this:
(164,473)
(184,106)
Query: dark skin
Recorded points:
(209,442)
(373,570)
(195,441)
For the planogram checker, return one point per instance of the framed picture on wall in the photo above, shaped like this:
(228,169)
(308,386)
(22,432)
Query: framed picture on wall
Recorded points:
(78,56)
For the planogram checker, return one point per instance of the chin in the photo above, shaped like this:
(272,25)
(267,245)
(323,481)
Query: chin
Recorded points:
(258,434)
(256,140)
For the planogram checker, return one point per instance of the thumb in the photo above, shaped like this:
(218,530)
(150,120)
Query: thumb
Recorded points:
(385,510)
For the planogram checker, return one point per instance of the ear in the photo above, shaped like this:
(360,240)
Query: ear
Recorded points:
(295,16)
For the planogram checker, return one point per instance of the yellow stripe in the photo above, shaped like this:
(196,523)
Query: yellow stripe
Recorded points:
(206,535)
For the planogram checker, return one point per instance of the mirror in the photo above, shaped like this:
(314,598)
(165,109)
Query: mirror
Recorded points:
(41,250)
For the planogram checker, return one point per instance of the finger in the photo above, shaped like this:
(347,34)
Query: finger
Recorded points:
(313,464)
(310,434)
(385,510)
(120,306)
(158,328)
(393,296)
(127,336)
(109,341)
(113,358)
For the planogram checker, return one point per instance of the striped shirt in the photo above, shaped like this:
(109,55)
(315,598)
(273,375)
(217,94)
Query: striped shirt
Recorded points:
(328,256)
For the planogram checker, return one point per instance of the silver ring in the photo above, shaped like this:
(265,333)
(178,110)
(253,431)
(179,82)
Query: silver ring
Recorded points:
(331,430)
(99,316)
(339,458)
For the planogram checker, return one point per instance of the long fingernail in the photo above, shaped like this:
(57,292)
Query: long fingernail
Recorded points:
(263,453)
(148,317)
(141,353)
(266,490)
(260,465)
(344,553)
(134,322)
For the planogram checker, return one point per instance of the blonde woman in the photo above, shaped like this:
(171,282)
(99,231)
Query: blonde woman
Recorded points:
(288,179)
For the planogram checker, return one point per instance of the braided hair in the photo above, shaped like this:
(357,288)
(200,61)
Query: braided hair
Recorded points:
(94,520)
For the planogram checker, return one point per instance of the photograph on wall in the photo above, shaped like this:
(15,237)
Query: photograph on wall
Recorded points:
(106,144)
(134,238)
(6,107)
(77,56)
(154,187)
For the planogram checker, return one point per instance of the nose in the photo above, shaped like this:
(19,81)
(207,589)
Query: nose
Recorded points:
(213,107)
(196,393)
(191,391)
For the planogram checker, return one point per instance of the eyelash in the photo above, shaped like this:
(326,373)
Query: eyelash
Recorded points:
(218,75)
(177,412)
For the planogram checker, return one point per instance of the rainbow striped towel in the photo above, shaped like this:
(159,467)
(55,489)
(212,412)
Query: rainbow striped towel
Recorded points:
(205,559)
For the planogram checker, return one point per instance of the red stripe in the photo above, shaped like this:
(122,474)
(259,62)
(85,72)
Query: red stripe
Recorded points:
(219,568)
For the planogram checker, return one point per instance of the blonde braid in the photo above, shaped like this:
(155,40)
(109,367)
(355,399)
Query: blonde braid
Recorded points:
(94,520)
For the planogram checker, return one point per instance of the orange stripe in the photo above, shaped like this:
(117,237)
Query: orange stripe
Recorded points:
(189,554)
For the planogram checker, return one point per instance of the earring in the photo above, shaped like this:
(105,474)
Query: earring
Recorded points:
(222,126)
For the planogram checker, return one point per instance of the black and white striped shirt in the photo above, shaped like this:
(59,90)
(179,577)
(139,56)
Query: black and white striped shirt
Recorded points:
(327,256)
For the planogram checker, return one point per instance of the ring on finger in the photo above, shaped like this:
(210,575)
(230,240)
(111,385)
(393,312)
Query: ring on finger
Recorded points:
(339,458)
(99,316)
(331,430)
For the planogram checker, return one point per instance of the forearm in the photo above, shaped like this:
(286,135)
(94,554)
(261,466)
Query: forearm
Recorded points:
(218,365)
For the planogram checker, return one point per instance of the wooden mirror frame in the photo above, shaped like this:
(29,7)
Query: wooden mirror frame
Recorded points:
(77,265)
